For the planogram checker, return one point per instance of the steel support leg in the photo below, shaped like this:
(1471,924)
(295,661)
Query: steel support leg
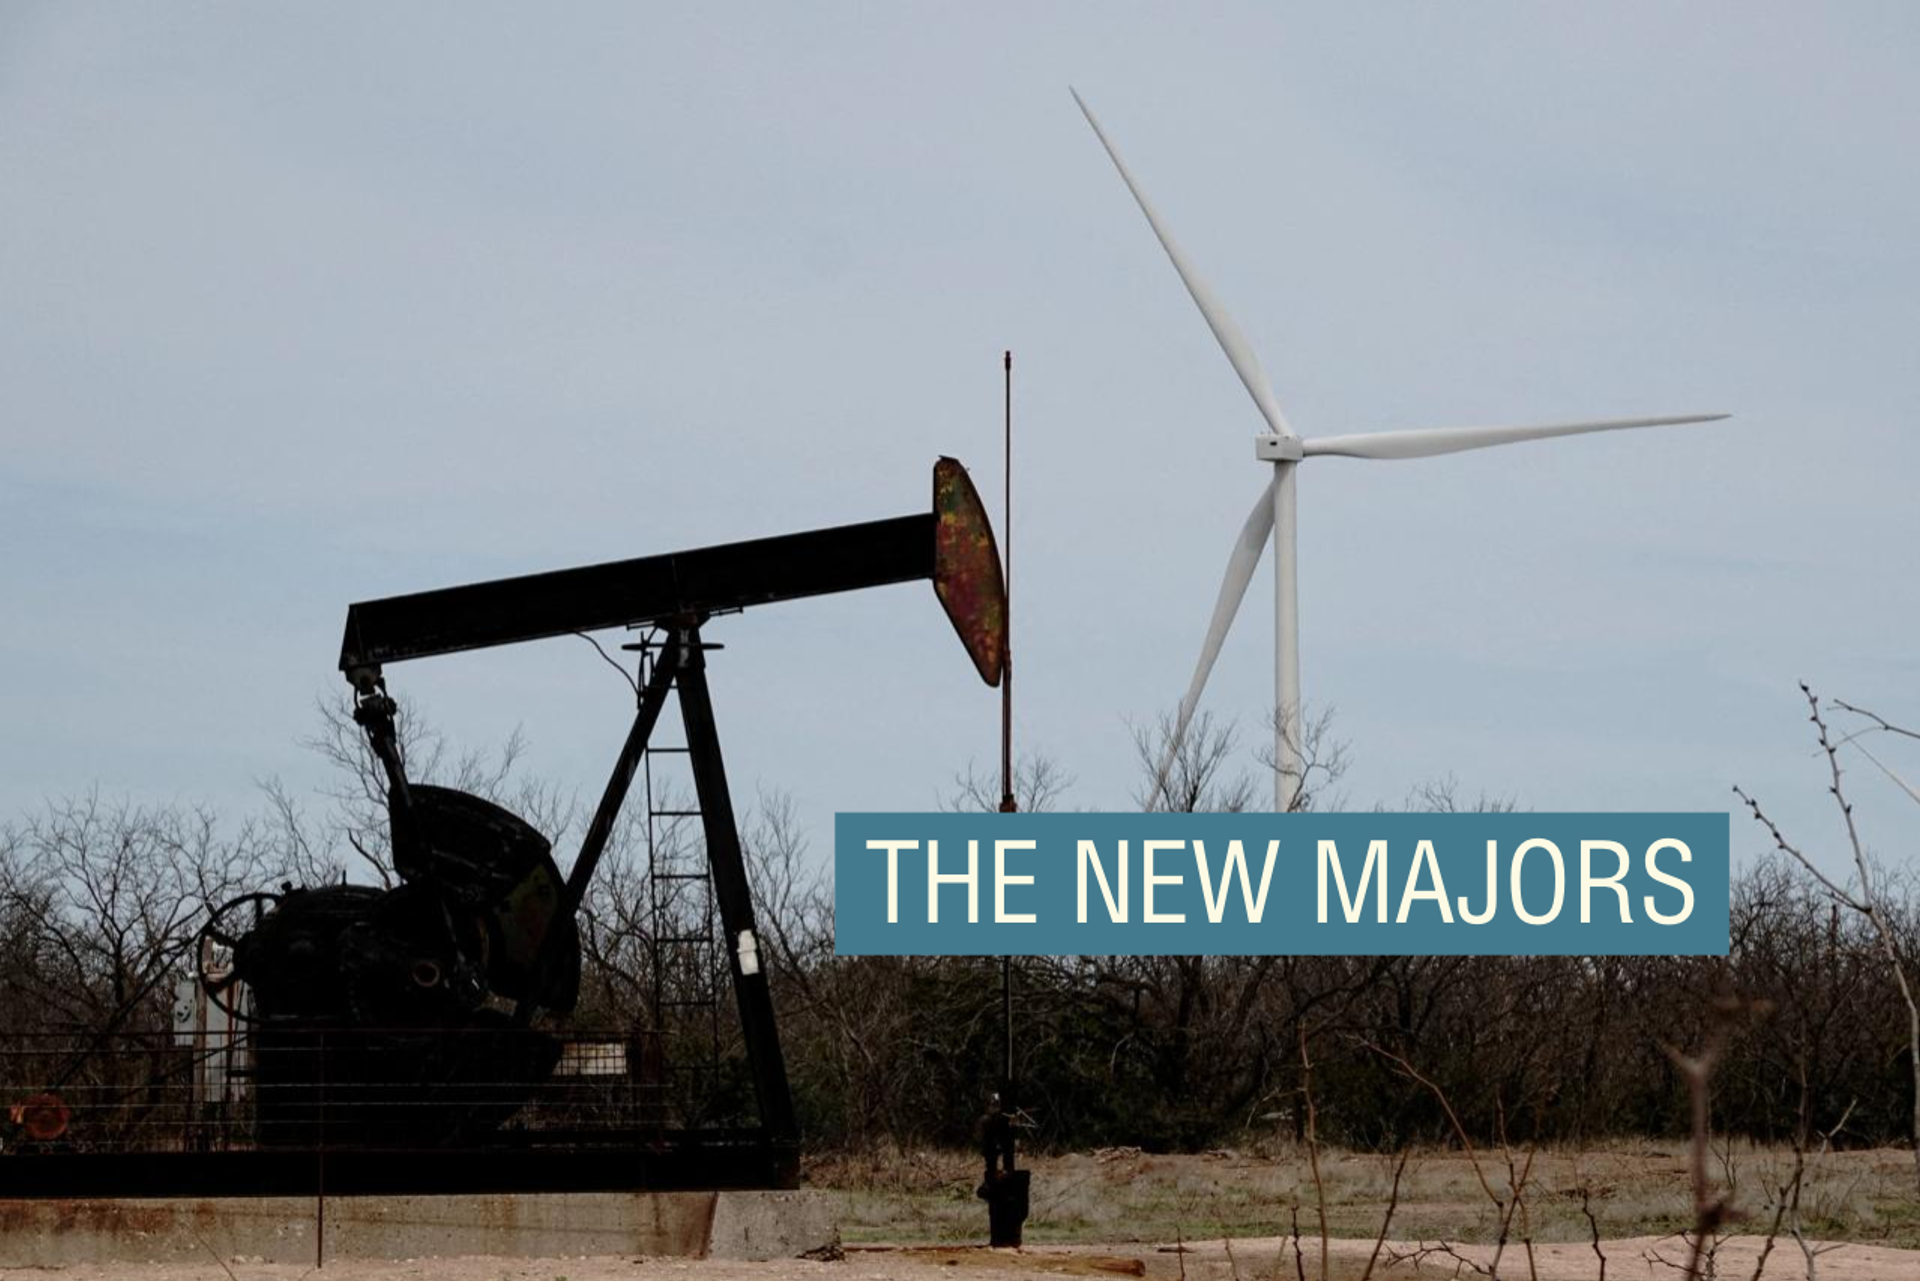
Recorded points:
(735,897)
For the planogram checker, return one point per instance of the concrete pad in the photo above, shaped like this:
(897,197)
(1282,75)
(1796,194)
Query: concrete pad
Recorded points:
(773,1225)
(735,1225)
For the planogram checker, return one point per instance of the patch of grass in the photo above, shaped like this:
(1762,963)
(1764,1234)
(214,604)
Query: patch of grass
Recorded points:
(1634,1189)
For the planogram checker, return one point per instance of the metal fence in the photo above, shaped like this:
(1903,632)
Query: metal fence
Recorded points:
(203,1089)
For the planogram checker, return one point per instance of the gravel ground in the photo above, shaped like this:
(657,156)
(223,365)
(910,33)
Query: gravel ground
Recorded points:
(1200,1260)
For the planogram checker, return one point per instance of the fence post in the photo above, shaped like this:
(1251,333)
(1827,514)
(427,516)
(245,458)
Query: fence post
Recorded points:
(320,1182)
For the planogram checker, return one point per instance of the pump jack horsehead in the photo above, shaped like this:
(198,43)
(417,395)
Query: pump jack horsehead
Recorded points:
(1272,517)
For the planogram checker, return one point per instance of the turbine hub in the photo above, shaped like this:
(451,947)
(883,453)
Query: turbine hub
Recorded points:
(1275,448)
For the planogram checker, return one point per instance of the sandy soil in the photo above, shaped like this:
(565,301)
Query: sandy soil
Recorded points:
(1105,1214)
(1630,1258)
(1641,1257)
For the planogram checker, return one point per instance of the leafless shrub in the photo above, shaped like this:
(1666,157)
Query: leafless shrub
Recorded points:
(354,797)
(100,903)
(101,900)
(1324,759)
(1194,774)
(1505,1206)
(1039,781)
(1863,894)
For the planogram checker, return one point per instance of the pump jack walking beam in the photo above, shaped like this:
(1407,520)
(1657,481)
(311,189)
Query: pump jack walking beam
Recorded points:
(952,545)
(628,592)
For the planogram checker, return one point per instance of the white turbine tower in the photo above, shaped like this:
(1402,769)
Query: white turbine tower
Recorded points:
(1273,514)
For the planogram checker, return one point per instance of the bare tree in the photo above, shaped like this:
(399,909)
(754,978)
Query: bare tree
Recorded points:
(1323,758)
(100,903)
(1195,772)
(1860,893)
(1038,783)
(615,922)
(1504,1206)
(109,895)
(839,1015)
(1191,772)
(354,796)
(1442,795)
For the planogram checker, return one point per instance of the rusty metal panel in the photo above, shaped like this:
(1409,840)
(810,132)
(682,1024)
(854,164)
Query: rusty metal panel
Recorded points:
(966,569)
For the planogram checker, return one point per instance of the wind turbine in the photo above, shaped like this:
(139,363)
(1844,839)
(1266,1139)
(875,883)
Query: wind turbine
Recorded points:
(1273,515)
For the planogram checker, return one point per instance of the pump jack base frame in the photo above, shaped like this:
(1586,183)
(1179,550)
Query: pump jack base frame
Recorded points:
(603,1161)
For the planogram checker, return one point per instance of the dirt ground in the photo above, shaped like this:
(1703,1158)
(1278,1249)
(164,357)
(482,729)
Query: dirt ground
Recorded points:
(1633,1189)
(1644,1257)
(1119,1212)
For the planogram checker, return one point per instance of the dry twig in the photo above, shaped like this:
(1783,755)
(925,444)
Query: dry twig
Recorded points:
(1386,1219)
(1313,1147)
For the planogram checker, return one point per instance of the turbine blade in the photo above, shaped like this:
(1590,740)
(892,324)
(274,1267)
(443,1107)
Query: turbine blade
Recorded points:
(1425,442)
(1225,331)
(1241,562)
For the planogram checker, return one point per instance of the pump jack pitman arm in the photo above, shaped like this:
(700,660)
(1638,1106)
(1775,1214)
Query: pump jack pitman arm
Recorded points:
(952,545)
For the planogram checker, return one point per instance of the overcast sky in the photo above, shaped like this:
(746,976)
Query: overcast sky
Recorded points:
(307,306)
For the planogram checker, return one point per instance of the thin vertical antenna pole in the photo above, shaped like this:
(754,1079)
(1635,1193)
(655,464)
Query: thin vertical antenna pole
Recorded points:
(1007,802)
(1006,1011)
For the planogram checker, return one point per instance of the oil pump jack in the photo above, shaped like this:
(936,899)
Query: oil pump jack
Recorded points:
(396,1030)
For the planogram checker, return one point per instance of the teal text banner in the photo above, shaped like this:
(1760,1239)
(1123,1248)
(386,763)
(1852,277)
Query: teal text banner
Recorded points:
(1292,884)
